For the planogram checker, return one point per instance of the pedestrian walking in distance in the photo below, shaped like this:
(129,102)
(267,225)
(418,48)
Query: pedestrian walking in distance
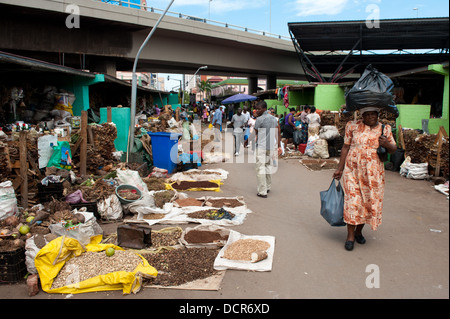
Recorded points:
(238,122)
(267,140)
(362,173)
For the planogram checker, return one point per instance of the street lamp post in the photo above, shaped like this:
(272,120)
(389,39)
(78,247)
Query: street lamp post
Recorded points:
(209,10)
(134,83)
(195,74)
(181,88)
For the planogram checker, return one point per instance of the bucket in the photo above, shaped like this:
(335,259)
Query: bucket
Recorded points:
(165,150)
(127,187)
(301,148)
(75,121)
(62,98)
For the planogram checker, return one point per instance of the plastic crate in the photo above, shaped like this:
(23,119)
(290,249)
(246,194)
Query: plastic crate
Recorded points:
(45,193)
(12,266)
(91,207)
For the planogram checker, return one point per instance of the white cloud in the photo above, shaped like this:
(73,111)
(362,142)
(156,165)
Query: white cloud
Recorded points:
(319,7)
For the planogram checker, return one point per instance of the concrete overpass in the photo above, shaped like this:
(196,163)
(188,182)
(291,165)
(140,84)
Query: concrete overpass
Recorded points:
(109,37)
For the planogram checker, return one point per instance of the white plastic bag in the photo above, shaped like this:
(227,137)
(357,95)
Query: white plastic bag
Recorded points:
(8,200)
(110,208)
(321,149)
(81,232)
(329,132)
(130,177)
(310,145)
(414,170)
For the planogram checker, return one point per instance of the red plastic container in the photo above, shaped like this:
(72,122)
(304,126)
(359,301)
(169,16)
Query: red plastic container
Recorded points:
(302,148)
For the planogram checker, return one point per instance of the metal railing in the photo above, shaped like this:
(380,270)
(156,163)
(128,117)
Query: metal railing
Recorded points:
(139,6)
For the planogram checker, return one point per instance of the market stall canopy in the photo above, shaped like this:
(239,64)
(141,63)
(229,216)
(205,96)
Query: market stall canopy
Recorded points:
(239,98)
(12,63)
(339,48)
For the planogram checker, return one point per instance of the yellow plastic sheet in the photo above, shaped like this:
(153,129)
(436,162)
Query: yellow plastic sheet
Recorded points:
(63,107)
(214,189)
(51,258)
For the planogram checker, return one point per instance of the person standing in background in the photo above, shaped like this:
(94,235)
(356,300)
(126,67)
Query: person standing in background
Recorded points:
(313,122)
(217,123)
(304,122)
(268,138)
(238,122)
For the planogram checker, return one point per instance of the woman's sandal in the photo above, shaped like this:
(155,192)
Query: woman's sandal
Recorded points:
(360,239)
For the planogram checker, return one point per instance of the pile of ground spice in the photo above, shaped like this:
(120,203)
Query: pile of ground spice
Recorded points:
(203,236)
(225,202)
(180,266)
(169,238)
(189,202)
(242,249)
(185,185)
(163,197)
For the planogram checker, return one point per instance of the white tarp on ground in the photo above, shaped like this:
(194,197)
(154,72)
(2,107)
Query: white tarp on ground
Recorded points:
(221,263)
(200,175)
(179,215)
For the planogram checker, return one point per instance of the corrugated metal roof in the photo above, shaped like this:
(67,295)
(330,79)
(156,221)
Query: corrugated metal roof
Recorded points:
(392,34)
(340,48)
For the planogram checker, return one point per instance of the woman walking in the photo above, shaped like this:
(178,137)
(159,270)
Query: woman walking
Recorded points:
(363,173)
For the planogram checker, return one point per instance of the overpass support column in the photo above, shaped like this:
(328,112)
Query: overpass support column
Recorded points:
(80,87)
(271,82)
(252,85)
(107,67)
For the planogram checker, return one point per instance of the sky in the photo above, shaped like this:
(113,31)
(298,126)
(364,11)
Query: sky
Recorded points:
(273,16)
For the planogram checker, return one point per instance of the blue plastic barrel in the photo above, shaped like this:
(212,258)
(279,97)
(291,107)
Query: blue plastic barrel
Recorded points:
(165,150)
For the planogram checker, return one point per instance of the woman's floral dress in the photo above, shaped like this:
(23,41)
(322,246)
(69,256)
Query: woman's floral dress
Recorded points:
(363,175)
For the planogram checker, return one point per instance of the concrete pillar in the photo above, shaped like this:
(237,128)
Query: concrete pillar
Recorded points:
(106,67)
(80,87)
(271,82)
(252,85)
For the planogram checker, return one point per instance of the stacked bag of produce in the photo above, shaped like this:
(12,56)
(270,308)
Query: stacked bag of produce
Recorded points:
(372,89)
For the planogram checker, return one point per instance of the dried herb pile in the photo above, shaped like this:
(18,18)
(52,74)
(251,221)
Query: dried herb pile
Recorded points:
(180,266)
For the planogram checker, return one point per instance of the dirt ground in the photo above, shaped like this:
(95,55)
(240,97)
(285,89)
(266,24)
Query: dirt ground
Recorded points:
(406,258)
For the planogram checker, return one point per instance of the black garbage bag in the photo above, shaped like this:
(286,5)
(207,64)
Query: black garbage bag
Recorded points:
(372,89)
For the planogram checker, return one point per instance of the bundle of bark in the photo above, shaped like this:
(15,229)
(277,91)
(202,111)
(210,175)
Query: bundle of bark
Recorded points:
(327,118)
(104,136)
(4,165)
(445,158)
(100,149)
(418,146)
(10,158)
(423,148)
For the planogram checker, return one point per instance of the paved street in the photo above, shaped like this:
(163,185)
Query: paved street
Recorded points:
(410,251)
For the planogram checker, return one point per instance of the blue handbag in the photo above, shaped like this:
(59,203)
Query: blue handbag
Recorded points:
(332,204)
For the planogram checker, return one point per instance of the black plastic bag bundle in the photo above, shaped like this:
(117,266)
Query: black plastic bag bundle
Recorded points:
(372,89)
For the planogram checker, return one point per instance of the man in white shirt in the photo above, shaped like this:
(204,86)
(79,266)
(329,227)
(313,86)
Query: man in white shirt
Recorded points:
(238,122)
(268,139)
(246,115)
